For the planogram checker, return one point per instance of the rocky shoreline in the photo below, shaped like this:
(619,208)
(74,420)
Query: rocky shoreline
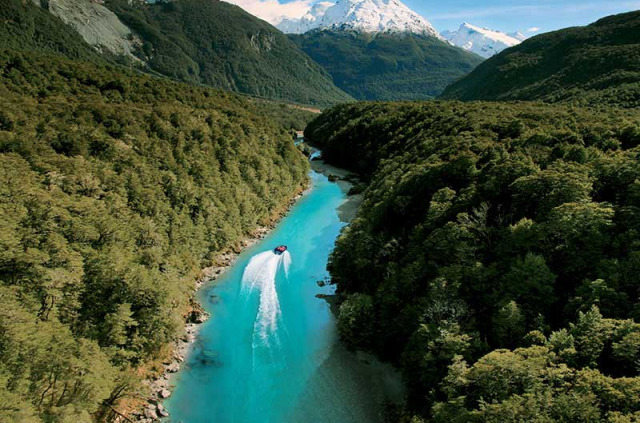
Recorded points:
(160,388)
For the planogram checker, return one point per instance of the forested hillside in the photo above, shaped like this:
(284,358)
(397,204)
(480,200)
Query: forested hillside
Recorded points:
(116,189)
(24,26)
(495,257)
(220,45)
(387,66)
(594,65)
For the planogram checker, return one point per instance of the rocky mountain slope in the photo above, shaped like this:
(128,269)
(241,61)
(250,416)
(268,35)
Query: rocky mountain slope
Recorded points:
(97,25)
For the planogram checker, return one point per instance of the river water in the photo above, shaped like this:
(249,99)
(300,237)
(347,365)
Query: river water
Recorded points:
(270,352)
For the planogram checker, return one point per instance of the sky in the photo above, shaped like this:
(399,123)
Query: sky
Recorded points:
(528,16)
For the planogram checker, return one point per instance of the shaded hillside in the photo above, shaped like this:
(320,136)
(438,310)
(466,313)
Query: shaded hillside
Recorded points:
(116,189)
(495,256)
(220,45)
(387,66)
(596,64)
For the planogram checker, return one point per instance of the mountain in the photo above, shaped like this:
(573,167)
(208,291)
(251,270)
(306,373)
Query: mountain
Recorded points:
(309,21)
(482,41)
(220,45)
(373,16)
(387,66)
(518,36)
(596,64)
(200,42)
(379,49)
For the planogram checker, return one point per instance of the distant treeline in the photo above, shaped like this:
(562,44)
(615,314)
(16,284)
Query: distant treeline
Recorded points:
(116,189)
(495,257)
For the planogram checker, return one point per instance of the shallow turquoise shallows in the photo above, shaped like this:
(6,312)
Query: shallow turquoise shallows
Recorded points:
(270,351)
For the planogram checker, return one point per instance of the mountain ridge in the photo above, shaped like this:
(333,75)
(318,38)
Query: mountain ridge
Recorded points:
(482,41)
(373,16)
(199,42)
(595,64)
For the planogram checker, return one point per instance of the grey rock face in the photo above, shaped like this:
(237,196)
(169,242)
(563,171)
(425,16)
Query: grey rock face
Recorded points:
(99,26)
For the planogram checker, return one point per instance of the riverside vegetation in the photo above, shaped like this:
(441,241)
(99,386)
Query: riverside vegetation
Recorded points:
(116,189)
(495,257)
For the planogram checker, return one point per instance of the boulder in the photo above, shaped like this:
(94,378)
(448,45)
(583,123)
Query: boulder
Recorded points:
(198,316)
(150,414)
(162,411)
(165,393)
(173,368)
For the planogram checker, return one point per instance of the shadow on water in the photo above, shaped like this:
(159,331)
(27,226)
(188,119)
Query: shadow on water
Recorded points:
(354,386)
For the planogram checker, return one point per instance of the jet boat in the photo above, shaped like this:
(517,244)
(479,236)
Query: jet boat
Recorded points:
(279,250)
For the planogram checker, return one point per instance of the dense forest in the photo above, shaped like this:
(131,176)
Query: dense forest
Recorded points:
(220,45)
(387,66)
(593,65)
(116,189)
(495,257)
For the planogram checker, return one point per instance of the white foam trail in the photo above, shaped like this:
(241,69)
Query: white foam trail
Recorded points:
(260,274)
(286,262)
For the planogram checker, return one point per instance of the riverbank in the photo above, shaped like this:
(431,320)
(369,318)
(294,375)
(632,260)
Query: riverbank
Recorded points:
(160,385)
(384,380)
(345,180)
(243,368)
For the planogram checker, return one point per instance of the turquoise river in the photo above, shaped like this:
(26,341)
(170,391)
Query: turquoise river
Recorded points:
(270,352)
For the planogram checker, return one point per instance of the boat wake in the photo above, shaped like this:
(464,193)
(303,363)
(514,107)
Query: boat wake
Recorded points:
(260,275)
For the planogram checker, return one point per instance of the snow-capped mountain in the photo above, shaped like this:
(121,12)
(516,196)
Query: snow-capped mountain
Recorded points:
(306,23)
(386,16)
(518,36)
(482,41)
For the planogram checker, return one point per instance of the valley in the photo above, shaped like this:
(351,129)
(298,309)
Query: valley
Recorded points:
(273,332)
(467,249)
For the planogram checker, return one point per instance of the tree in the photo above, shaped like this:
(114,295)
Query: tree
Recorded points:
(530,283)
(356,320)
(509,325)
